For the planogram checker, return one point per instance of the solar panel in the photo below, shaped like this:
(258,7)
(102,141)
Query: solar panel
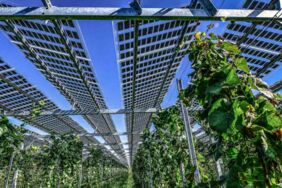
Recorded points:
(17,94)
(260,42)
(57,50)
(157,53)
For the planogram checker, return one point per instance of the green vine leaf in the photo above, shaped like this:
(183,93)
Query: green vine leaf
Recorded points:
(213,36)
(214,88)
(219,119)
(241,64)
(247,127)
(232,78)
(274,121)
(232,153)
(231,48)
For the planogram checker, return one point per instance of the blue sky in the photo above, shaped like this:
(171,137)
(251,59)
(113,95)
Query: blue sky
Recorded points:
(98,36)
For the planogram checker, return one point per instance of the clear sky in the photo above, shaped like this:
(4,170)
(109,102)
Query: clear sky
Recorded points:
(98,36)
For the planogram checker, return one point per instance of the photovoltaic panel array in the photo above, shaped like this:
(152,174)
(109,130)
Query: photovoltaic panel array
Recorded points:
(160,47)
(57,50)
(260,42)
(17,94)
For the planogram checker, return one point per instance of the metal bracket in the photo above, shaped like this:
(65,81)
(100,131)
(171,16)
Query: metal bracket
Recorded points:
(136,6)
(209,7)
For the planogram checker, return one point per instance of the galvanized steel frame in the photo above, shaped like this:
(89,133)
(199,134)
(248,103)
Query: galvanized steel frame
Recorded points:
(97,13)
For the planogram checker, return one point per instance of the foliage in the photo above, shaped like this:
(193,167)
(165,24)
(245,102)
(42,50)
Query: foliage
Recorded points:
(10,139)
(60,161)
(248,128)
(57,163)
(158,160)
(100,171)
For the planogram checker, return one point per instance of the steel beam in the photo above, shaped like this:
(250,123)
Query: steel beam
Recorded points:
(80,112)
(105,13)
(135,59)
(113,144)
(100,134)
(115,134)
(189,135)
(208,7)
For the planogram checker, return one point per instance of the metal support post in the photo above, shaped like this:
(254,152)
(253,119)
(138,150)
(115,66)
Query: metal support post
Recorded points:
(16,173)
(189,135)
(114,13)
(9,169)
(218,168)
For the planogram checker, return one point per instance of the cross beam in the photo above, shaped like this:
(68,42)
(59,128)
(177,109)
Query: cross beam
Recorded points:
(102,13)
(100,134)
(80,112)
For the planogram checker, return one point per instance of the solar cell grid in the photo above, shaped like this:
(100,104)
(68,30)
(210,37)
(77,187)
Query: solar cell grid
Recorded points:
(57,47)
(18,97)
(58,125)
(260,42)
(156,53)
(148,62)
(157,42)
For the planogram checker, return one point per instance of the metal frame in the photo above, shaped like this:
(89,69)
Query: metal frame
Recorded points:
(207,12)
(91,13)
(100,122)
(135,56)
(158,70)
(189,135)
(252,39)
(65,121)
(8,74)
(81,112)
